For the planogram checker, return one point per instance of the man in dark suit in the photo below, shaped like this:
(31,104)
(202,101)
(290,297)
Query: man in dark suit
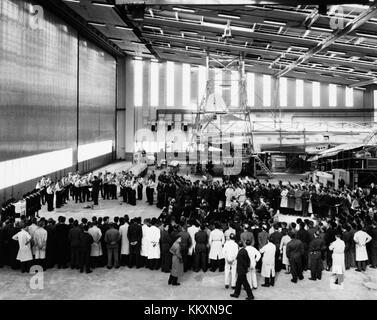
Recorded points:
(295,251)
(74,237)
(304,236)
(201,249)
(316,246)
(134,235)
(62,244)
(95,190)
(86,241)
(243,264)
(185,244)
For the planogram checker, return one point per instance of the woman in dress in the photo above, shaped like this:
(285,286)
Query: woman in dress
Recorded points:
(283,249)
(177,263)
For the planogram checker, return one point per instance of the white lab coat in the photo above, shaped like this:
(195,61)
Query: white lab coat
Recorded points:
(230,251)
(338,260)
(254,256)
(96,249)
(39,243)
(125,244)
(268,260)
(361,238)
(144,241)
(192,231)
(24,251)
(216,242)
(154,235)
(284,198)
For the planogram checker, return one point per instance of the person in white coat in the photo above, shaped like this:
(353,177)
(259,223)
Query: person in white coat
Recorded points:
(284,200)
(144,243)
(125,244)
(153,246)
(283,249)
(24,254)
(192,230)
(96,249)
(230,251)
(216,242)
(338,261)
(268,263)
(39,244)
(361,238)
(254,256)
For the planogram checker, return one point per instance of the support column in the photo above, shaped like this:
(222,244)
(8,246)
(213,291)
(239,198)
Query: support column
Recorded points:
(121,109)
(130,111)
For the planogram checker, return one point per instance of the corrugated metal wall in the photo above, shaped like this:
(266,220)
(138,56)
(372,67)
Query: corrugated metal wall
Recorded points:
(40,64)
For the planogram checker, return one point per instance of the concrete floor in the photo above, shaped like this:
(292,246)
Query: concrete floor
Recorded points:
(126,283)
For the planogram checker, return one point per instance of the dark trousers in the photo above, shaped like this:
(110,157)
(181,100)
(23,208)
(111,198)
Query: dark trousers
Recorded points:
(123,192)
(242,281)
(58,199)
(95,193)
(25,266)
(149,192)
(166,261)
(316,265)
(124,260)
(296,268)
(75,257)
(200,259)
(184,253)
(361,265)
(50,201)
(84,260)
(153,264)
(220,263)
(77,192)
(106,191)
(139,192)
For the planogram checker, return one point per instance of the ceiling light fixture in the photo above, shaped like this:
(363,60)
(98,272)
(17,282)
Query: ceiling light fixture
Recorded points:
(274,22)
(74,1)
(366,35)
(229,16)
(321,29)
(97,24)
(183,10)
(123,28)
(152,28)
(102,4)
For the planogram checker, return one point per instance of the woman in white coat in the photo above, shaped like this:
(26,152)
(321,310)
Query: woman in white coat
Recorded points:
(338,261)
(125,243)
(361,238)
(268,263)
(24,252)
(216,242)
(96,249)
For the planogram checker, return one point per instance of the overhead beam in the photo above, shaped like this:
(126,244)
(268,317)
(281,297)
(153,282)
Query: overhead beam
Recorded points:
(236,2)
(291,40)
(363,83)
(351,26)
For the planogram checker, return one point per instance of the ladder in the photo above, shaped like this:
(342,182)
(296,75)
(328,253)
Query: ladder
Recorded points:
(263,166)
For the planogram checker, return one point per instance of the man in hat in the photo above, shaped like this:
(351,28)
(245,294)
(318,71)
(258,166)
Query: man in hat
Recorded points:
(316,247)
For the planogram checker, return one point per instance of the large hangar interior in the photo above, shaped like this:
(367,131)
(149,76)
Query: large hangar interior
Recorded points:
(228,117)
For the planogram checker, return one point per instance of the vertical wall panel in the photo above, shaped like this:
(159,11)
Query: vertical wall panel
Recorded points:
(97,79)
(37,82)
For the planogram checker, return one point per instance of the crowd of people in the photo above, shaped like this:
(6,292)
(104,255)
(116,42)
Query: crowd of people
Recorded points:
(231,225)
